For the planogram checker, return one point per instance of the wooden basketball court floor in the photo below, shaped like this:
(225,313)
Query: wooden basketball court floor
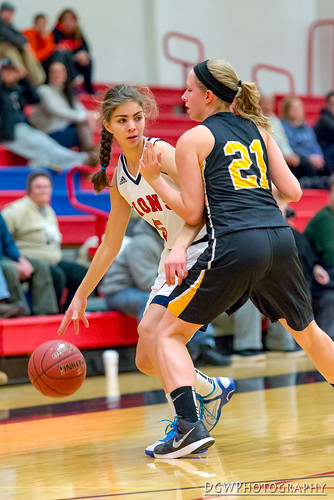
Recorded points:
(275,438)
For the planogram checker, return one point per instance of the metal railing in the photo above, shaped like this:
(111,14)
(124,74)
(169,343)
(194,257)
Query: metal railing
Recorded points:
(185,63)
(267,67)
(310,52)
(100,215)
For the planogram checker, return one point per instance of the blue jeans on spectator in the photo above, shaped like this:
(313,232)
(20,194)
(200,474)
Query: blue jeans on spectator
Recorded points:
(42,150)
(246,326)
(68,137)
(4,293)
(130,301)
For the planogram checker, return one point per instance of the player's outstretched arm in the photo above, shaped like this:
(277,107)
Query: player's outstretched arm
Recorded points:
(116,226)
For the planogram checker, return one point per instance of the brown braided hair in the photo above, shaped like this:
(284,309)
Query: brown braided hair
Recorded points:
(115,97)
(100,179)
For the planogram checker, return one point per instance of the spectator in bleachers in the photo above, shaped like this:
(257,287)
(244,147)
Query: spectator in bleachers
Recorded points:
(267,103)
(16,133)
(324,130)
(18,269)
(320,230)
(69,39)
(320,233)
(127,284)
(302,139)
(60,114)
(246,327)
(15,46)
(40,39)
(319,273)
(8,309)
(39,236)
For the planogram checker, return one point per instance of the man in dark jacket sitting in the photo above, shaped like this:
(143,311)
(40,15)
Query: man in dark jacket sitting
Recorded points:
(17,269)
(324,129)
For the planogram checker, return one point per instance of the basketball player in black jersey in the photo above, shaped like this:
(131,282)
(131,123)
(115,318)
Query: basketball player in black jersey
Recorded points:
(228,166)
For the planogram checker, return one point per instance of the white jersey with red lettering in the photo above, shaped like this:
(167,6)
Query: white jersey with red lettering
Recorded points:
(148,204)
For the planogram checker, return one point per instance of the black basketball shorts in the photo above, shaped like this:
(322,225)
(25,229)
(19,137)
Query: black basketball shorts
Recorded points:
(260,264)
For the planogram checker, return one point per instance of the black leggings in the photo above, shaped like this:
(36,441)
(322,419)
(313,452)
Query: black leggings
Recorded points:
(67,275)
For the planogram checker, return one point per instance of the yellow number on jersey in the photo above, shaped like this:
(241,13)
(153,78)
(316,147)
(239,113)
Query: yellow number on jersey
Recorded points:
(236,166)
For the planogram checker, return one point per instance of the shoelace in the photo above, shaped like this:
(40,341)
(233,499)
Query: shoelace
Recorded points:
(171,427)
(203,411)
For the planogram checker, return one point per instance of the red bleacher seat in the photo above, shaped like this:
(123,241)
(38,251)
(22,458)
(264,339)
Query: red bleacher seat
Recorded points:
(168,98)
(7,158)
(91,102)
(310,203)
(312,199)
(19,337)
(76,229)
(7,196)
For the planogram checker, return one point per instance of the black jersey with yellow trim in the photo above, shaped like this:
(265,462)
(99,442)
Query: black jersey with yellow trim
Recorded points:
(236,178)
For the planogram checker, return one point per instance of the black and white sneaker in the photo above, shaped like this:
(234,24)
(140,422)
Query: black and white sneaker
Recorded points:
(191,437)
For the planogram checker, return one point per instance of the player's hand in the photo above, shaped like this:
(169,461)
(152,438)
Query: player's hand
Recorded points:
(75,312)
(176,265)
(150,163)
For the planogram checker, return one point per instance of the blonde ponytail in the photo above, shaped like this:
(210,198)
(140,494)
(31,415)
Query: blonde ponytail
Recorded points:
(247,97)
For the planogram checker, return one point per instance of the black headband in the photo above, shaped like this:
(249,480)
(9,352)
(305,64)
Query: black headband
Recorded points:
(219,89)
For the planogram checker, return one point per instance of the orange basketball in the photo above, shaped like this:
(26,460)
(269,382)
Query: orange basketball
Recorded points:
(57,368)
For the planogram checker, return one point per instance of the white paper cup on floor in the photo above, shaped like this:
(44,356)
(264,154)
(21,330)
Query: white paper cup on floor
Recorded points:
(110,362)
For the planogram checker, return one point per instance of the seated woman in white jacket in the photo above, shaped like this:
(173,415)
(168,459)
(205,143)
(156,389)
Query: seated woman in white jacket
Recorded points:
(60,114)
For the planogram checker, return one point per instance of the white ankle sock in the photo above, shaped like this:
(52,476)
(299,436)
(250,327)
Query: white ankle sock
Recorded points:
(171,405)
(204,384)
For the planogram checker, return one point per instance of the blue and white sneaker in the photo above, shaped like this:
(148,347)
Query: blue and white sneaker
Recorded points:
(170,432)
(191,437)
(210,406)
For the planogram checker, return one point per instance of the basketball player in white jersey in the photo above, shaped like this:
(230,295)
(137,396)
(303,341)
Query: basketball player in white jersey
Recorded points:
(124,108)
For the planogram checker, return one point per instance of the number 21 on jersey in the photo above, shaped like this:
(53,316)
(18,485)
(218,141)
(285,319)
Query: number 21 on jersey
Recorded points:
(247,181)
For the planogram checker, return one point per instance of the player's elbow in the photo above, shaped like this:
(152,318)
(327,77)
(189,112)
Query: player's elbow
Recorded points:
(193,218)
(294,194)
